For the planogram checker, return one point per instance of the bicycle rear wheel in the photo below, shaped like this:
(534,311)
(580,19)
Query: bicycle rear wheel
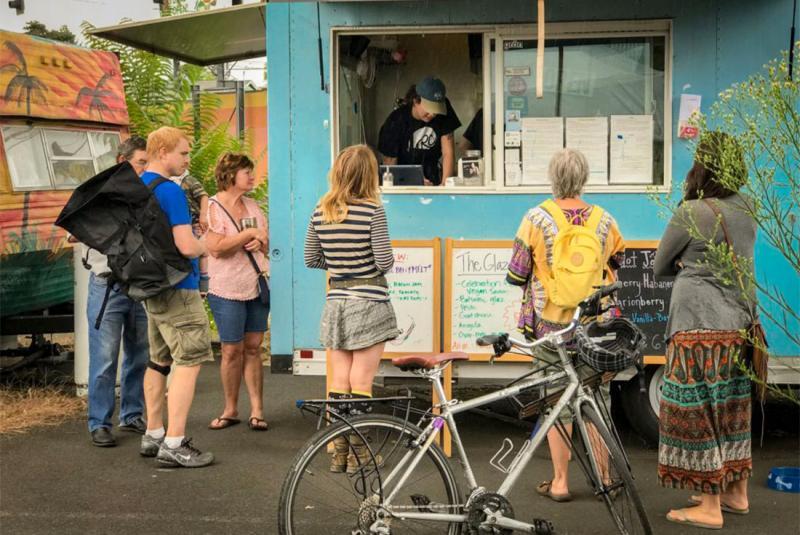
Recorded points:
(605,464)
(316,501)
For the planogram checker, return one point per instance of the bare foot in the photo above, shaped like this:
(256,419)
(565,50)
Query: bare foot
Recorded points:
(733,500)
(696,515)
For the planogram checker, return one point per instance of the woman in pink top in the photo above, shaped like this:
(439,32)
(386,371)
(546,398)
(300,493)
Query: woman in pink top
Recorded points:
(233,293)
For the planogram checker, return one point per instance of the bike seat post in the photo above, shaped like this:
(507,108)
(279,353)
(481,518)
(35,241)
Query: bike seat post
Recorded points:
(435,377)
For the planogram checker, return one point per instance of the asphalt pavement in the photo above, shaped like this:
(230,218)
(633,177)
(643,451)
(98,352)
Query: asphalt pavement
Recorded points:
(53,480)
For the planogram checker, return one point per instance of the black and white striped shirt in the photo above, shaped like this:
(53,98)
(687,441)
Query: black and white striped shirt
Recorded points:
(356,248)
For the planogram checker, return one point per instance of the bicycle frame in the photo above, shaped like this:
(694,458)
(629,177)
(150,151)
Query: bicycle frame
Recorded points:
(573,395)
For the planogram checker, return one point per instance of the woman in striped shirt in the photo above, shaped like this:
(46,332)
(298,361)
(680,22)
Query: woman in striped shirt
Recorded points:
(348,237)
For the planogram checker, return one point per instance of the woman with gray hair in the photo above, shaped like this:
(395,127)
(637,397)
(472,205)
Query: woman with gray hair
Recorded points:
(539,252)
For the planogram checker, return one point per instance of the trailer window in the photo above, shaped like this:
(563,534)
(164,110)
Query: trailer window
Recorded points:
(71,157)
(50,158)
(25,155)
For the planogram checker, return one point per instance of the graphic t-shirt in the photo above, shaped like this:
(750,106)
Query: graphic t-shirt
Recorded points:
(173,201)
(415,142)
(474,132)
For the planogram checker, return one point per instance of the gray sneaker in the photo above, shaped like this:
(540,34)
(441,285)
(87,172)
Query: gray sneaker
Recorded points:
(184,455)
(150,445)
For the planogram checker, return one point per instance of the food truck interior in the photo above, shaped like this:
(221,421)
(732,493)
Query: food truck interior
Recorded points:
(604,93)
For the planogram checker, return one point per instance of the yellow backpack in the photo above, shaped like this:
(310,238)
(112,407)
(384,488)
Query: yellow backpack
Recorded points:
(577,260)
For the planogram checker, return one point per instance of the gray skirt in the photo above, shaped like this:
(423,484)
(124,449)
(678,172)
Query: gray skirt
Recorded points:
(352,324)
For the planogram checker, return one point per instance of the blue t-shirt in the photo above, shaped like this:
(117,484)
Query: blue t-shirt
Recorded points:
(173,201)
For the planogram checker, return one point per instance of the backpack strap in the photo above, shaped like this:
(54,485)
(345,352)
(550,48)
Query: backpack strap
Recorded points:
(102,312)
(594,218)
(556,213)
(157,182)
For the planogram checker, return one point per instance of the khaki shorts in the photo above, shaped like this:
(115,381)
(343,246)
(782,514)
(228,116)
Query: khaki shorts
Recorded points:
(178,329)
(545,355)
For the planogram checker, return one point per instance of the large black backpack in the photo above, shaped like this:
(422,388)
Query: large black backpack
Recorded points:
(116,214)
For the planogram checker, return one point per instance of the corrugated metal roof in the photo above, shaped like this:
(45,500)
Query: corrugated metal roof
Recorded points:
(202,38)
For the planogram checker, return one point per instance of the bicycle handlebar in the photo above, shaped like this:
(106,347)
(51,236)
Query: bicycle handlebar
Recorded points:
(503,343)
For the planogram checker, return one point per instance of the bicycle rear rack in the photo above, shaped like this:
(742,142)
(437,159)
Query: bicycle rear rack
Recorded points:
(326,409)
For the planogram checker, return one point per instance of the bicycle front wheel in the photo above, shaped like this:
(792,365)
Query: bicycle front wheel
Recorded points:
(602,458)
(322,496)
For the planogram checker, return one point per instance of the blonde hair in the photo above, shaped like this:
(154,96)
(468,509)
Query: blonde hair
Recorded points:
(353,177)
(166,137)
(228,164)
(568,172)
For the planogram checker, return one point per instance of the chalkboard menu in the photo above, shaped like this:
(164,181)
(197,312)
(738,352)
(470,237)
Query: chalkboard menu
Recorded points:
(643,299)
(479,301)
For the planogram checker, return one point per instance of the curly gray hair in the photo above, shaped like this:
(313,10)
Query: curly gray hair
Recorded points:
(568,172)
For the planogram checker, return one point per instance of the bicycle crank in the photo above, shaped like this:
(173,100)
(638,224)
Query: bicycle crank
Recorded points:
(482,511)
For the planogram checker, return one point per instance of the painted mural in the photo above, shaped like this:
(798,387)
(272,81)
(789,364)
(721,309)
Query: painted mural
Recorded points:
(46,83)
(51,80)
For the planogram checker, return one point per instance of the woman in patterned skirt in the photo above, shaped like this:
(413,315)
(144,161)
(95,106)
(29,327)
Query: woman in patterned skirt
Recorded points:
(704,421)
(348,236)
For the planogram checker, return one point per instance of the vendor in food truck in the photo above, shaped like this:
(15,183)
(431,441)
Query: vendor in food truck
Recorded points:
(420,132)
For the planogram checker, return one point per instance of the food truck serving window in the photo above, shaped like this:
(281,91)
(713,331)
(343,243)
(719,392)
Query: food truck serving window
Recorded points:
(606,93)
(51,158)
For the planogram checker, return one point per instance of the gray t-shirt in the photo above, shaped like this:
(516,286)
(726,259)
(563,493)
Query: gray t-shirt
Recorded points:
(700,300)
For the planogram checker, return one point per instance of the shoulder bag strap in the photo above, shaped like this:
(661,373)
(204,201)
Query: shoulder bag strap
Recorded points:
(236,225)
(721,219)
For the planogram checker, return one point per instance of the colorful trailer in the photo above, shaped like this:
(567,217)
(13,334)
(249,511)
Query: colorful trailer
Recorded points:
(62,114)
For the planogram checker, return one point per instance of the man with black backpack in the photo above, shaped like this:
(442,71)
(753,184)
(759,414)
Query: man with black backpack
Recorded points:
(124,323)
(178,329)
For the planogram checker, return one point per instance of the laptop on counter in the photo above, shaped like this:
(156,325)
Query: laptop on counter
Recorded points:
(404,175)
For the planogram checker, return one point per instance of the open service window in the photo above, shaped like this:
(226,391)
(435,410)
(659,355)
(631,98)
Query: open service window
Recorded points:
(606,93)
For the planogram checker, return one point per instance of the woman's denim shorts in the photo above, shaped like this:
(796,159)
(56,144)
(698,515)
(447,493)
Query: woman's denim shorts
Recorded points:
(234,318)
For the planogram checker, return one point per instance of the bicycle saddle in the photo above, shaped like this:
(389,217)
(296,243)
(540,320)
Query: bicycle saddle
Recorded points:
(418,362)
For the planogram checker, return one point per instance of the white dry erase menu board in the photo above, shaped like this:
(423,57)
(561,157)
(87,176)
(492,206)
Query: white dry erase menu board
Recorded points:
(414,288)
(478,300)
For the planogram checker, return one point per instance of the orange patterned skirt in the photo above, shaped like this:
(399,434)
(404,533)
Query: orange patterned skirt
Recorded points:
(704,422)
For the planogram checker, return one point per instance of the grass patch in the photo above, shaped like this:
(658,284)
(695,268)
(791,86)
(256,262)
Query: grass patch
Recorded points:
(23,409)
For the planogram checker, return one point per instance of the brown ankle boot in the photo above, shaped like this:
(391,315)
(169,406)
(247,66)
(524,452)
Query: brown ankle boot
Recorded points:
(339,457)
(360,457)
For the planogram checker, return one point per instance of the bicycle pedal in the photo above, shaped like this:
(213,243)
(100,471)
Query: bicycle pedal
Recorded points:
(542,527)
(422,502)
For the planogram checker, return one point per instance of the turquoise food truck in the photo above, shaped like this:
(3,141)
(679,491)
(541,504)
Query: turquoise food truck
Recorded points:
(613,77)
(610,78)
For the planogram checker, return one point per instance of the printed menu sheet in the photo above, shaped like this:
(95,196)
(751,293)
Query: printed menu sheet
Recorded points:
(631,149)
(590,136)
(541,138)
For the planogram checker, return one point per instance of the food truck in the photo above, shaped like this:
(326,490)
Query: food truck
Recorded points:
(62,114)
(612,79)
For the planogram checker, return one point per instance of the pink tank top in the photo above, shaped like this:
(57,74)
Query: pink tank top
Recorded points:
(234,277)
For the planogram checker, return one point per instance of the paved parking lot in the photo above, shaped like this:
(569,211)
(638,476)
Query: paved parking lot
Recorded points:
(53,481)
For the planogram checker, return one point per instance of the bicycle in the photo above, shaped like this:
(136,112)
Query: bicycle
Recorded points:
(402,482)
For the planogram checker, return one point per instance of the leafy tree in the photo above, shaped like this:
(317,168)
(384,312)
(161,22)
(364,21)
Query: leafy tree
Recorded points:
(34,27)
(158,95)
(761,117)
